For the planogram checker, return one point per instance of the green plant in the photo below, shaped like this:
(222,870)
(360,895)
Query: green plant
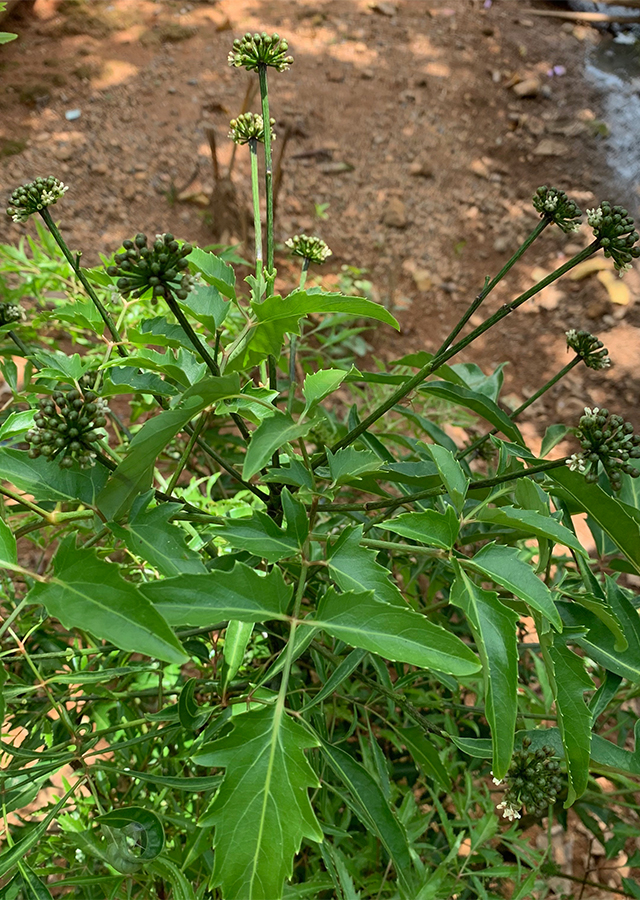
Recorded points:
(6,36)
(224,642)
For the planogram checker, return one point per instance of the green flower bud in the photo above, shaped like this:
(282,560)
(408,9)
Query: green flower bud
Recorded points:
(249,127)
(255,50)
(312,249)
(160,269)
(34,196)
(555,206)
(614,229)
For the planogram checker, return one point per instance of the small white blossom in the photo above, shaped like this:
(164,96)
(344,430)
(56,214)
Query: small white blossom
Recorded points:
(551,203)
(594,217)
(508,811)
(80,857)
(576,463)
(496,780)
(622,269)
(572,227)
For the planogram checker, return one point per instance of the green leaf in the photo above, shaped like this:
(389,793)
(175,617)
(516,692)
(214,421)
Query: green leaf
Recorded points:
(494,630)
(552,437)
(504,566)
(258,534)
(429,527)
(8,548)
(16,424)
(533,523)
(134,474)
(11,856)
(86,592)
(32,887)
(142,824)
(313,301)
(214,271)
(271,434)
(474,378)
(236,637)
(200,600)
(349,464)
(206,305)
(150,535)
(354,568)
(425,755)
(296,516)
(263,795)
(600,644)
(45,480)
(478,403)
(167,870)
(159,332)
(319,385)
(400,635)
(372,808)
(455,481)
(348,665)
(574,717)
(188,710)
(126,380)
(603,509)
(6,36)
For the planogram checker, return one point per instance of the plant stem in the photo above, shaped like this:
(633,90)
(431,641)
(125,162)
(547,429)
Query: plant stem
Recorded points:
(20,344)
(106,318)
(293,344)
(255,191)
(514,415)
(187,452)
(441,358)
(268,163)
(489,285)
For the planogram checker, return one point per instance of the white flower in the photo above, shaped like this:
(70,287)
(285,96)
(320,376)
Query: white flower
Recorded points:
(594,217)
(576,463)
(551,203)
(496,780)
(622,269)
(572,227)
(508,811)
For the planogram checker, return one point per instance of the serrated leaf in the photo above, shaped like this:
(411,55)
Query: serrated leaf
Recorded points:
(134,474)
(258,534)
(86,592)
(150,535)
(297,517)
(262,811)
(400,635)
(214,271)
(494,630)
(45,480)
(316,301)
(8,548)
(372,808)
(10,856)
(552,437)
(236,637)
(349,464)
(268,437)
(428,527)
(504,566)
(187,707)
(455,481)
(200,600)
(16,424)
(126,380)
(319,385)
(610,515)
(425,755)
(533,523)
(32,887)
(354,568)
(207,306)
(167,870)
(477,402)
(574,717)
(341,673)
(159,332)
(147,828)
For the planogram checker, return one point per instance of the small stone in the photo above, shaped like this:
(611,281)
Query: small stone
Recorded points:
(336,168)
(419,168)
(100,168)
(72,114)
(395,213)
(480,168)
(529,87)
(385,9)
(423,279)
(367,74)
(549,147)
(335,77)
(501,244)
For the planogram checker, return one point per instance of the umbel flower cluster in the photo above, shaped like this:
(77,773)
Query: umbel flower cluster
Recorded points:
(249,127)
(65,427)
(34,196)
(313,249)
(255,50)
(591,351)
(555,205)
(9,313)
(532,781)
(614,228)
(161,268)
(608,440)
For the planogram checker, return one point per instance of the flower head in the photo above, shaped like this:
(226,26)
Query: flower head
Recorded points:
(255,50)
(591,351)
(34,196)
(613,227)
(160,268)
(607,440)
(249,127)
(65,427)
(312,248)
(10,313)
(556,206)
(509,811)
(532,781)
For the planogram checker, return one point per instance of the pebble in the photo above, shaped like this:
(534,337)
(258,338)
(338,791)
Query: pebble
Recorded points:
(421,169)
(385,9)
(529,87)
(394,213)
(100,168)
(549,147)
(72,114)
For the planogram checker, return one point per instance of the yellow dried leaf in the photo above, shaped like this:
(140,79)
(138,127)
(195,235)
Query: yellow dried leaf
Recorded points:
(589,266)
(616,288)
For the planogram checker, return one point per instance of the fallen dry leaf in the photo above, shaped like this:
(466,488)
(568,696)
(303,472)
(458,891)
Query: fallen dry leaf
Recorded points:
(616,288)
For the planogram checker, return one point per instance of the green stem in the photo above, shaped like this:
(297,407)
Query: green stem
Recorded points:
(22,347)
(293,344)
(257,221)
(517,412)
(106,318)
(187,452)
(268,163)
(441,358)
(489,285)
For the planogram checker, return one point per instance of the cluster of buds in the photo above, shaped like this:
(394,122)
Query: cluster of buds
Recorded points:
(614,229)
(249,127)
(312,249)
(65,427)
(34,197)
(591,351)
(532,781)
(554,205)
(255,50)
(161,268)
(10,313)
(608,440)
